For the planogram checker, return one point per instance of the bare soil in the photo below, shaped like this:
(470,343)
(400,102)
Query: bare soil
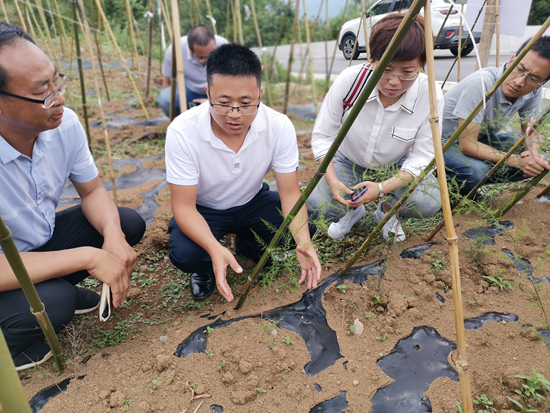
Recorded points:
(254,366)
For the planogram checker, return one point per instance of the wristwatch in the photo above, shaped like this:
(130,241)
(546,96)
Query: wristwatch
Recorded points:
(380,190)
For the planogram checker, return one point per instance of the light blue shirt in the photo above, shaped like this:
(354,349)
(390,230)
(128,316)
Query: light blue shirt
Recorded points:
(30,187)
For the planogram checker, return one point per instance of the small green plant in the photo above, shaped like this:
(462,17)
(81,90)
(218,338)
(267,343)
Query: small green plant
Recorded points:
(221,366)
(459,407)
(208,330)
(533,385)
(377,299)
(261,390)
(351,330)
(342,288)
(499,282)
(522,409)
(154,384)
(483,402)
(383,338)
(287,341)
(501,381)
(439,265)
(209,353)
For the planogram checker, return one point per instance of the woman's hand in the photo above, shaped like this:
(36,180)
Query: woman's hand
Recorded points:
(338,191)
(371,194)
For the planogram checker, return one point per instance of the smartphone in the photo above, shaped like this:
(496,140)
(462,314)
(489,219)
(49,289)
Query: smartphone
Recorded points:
(356,197)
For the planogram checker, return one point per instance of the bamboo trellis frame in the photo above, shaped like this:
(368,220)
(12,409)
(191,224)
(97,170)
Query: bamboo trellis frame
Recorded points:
(310,58)
(260,45)
(176,49)
(291,55)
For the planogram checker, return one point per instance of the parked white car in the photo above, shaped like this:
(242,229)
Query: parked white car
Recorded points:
(448,39)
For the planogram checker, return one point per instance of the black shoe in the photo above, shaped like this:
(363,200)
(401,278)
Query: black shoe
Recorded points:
(34,355)
(86,300)
(202,285)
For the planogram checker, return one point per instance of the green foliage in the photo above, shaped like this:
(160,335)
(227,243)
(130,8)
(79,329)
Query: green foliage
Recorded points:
(342,288)
(351,330)
(383,338)
(208,330)
(483,402)
(540,10)
(261,390)
(438,265)
(499,282)
(533,386)
(287,341)
(522,409)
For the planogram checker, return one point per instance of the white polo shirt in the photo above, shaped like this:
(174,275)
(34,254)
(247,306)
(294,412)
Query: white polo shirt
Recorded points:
(380,136)
(225,179)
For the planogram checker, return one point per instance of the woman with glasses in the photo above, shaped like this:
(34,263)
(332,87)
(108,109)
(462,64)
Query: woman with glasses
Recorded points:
(388,145)
(489,136)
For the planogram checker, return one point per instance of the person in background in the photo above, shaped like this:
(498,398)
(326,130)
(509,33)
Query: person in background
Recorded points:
(42,144)
(485,141)
(195,48)
(388,145)
(217,155)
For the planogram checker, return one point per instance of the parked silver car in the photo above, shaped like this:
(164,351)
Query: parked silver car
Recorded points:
(448,38)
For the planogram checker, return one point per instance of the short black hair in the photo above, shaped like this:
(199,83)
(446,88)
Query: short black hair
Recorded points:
(541,46)
(233,59)
(200,35)
(9,35)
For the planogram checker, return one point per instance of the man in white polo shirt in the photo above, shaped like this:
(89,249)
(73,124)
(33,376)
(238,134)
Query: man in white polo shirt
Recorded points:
(217,155)
(195,48)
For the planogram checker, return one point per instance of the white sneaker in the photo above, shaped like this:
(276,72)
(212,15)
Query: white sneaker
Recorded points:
(391,227)
(338,229)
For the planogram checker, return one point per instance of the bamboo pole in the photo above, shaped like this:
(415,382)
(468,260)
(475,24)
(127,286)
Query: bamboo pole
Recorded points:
(88,36)
(260,45)
(291,55)
(329,72)
(487,32)
(497,21)
(303,61)
(445,21)
(479,185)
(5,11)
(461,363)
(354,112)
(173,84)
(150,48)
(81,73)
(229,12)
(459,42)
(310,57)
(20,15)
(364,18)
(326,37)
(131,34)
(520,194)
(209,10)
(60,21)
(167,19)
(355,45)
(449,142)
(545,191)
(464,45)
(99,58)
(12,395)
(239,21)
(121,57)
(55,32)
(37,307)
(29,22)
(179,55)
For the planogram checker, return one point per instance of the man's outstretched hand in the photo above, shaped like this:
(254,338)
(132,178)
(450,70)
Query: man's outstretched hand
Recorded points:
(311,267)
(220,260)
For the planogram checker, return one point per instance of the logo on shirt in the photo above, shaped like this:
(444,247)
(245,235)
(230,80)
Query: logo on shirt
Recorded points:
(237,165)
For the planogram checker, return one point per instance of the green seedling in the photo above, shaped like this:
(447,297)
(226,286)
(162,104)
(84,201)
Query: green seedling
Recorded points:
(377,299)
(499,282)
(438,265)
(209,353)
(154,384)
(533,385)
(351,330)
(260,390)
(287,341)
(522,409)
(459,407)
(221,366)
(383,338)
(483,402)
(342,288)
(501,381)
(208,330)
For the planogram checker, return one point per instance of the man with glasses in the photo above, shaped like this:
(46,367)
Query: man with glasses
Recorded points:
(489,136)
(217,155)
(42,145)
(195,48)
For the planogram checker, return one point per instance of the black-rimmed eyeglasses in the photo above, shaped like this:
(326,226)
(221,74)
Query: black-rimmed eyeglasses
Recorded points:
(49,100)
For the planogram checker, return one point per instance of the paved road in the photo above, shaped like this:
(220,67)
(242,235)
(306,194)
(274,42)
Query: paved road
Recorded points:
(443,60)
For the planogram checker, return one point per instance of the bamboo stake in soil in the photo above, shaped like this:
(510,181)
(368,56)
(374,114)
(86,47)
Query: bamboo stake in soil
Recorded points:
(479,185)
(12,395)
(209,10)
(520,194)
(291,55)
(60,21)
(545,191)
(321,170)
(150,48)
(179,55)
(450,141)
(260,45)
(329,72)
(120,56)
(88,37)
(97,39)
(459,42)
(239,21)
(81,74)
(131,34)
(310,57)
(497,22)
(167,20)
(5,12)
(462,361)
(20,15)
(37,307)
(356,44)
(364,18)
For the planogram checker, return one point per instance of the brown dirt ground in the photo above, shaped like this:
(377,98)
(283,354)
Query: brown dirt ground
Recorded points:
(250,368)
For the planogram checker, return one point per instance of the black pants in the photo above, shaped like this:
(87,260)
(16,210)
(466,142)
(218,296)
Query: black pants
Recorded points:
(72,230)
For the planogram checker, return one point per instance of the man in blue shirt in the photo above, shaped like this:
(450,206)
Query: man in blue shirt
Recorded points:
(485,140)
(41,146)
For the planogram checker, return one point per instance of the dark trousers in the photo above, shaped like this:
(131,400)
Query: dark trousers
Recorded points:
(72,230)
(243,221)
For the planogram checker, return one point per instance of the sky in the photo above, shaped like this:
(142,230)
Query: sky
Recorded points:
(335,7)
